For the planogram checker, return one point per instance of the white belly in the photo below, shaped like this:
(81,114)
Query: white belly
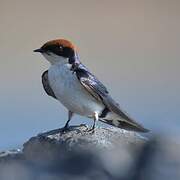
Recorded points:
(71,93)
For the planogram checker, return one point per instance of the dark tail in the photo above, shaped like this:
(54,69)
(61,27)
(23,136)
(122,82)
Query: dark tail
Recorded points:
(124,124)
(117,117)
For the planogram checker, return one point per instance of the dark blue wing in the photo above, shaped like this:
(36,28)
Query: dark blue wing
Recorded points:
(91,83)
(99,91)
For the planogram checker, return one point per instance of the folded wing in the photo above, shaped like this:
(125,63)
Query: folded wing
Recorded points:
(99,92)
(46,85)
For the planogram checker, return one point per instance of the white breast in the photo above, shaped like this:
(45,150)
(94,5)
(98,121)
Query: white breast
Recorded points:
(70,92)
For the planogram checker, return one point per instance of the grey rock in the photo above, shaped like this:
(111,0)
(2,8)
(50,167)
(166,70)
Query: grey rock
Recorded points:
(108,153)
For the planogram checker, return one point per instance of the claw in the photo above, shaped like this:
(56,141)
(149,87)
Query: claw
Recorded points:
(65,129)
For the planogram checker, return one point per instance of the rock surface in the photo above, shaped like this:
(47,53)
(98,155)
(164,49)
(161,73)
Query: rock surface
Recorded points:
(109,153)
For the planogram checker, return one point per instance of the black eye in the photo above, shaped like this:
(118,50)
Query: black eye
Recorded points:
(61,48)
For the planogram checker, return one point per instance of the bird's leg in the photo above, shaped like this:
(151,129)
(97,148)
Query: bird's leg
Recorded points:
(61,130)
(70,115)
(96,118)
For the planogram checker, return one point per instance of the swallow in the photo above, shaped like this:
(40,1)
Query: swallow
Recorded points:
(72,84)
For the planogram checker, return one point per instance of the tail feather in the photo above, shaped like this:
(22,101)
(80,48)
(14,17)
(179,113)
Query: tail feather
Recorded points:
(129,124)
(117,117)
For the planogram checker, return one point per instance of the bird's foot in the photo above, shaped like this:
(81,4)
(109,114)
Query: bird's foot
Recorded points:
(65,129)
(91,130)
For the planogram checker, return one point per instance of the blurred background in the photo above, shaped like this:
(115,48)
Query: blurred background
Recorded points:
(132,46)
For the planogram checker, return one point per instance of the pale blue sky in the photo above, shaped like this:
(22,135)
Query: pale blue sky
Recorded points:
(132,46)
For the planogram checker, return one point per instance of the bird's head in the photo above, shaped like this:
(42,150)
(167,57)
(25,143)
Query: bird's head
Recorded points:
(59,51)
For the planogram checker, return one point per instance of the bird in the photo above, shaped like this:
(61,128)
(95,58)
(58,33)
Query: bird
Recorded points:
(70,82)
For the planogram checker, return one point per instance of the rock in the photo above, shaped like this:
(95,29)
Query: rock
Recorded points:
(109,153)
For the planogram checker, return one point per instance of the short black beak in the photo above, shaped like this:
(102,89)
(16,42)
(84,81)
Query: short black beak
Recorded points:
(39,50)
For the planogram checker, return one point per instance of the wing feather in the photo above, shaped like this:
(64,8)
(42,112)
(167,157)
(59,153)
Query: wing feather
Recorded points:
(46,85)
(100,93)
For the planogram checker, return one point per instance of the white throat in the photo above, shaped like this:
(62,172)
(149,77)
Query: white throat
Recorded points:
(55,59)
